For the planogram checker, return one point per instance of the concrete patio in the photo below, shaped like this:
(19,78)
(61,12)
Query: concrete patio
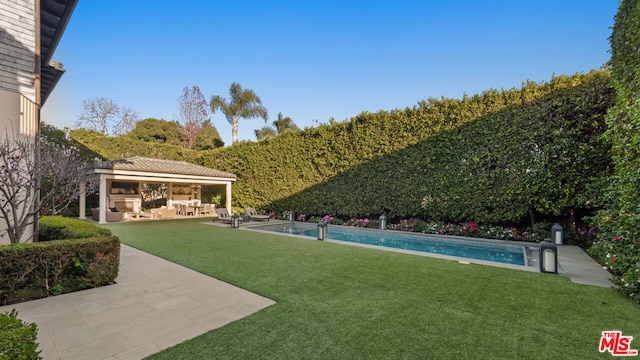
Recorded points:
(155,305)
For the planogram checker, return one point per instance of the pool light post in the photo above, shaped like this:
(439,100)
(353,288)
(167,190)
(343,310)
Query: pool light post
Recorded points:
(322,230)
(235,221)
(383,222)
(548,257)
(557,233)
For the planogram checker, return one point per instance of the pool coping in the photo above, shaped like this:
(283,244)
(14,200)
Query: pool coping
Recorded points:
(573,262)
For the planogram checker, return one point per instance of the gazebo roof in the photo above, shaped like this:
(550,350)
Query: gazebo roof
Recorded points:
(148,165)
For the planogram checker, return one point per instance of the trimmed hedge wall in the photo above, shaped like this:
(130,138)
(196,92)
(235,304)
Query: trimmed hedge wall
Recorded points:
(36,270)
(500,157)
(121,147)
(618,243)
(497,157)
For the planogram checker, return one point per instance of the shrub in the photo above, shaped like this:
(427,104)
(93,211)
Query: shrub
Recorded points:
(17,338)
(35,270)
(58,227)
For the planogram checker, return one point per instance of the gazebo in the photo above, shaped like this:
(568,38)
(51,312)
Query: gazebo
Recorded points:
(120,182)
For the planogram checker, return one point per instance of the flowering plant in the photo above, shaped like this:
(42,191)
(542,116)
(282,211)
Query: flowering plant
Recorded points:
(327,219)
(404,225)
(359,222)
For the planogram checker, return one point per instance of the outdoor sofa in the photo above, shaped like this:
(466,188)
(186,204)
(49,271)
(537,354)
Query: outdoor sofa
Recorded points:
(164,213)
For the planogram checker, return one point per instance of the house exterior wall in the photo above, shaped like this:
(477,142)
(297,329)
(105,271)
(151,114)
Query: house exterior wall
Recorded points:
(17,47)
(19,115)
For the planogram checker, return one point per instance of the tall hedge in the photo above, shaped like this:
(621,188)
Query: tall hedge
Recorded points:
(499,156)
(619,241)
(502,156)
(121,147)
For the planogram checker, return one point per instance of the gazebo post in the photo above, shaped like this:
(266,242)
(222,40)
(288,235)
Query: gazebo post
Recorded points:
(83,202)
(228,197)
(103,199)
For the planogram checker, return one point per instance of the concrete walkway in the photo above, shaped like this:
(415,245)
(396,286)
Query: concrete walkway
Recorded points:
(581,268)
(155,305)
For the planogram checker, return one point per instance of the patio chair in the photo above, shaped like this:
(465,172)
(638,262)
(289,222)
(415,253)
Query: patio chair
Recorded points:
(253,215)
(206,209)
(223,215)
(188,209)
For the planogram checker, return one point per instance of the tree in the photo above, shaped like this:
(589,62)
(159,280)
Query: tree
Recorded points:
(192,112)
(241,104)
(157,130)
(104,115)
(57,170)
(209,138)
(265,133)
(284,124)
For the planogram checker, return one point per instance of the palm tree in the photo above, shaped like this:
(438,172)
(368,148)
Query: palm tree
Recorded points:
(265,133)
(284,124)
(242,104)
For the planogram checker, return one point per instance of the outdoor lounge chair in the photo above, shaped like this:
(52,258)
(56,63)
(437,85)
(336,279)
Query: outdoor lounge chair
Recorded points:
(111,216)
(223,215)
(253,215)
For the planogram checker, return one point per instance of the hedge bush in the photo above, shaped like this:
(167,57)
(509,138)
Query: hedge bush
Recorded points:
(58,227)
(36,270)
(500,157)
(618,243)
(496,157)
(121,147)
(17,338)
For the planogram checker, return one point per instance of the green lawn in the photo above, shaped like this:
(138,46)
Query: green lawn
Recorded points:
(346,302)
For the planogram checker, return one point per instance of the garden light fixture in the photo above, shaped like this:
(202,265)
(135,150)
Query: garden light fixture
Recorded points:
(322,230)
(383,222)
(557,234)
(235,221)
(548,257)
(292,216)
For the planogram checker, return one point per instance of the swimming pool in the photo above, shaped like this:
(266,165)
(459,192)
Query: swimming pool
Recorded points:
(486,250)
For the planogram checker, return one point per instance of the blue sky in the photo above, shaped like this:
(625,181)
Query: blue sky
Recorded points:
(314,60)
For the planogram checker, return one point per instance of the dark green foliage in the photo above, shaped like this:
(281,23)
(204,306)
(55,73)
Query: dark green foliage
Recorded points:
(209,138)
(618,243)
(157,131)
(35,270)
(493,158)
(17,338)
(58,227)
(500,157)
(122,147)
(54,135)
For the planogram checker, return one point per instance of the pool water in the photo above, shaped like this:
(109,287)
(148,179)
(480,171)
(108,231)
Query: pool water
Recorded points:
(474,249)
